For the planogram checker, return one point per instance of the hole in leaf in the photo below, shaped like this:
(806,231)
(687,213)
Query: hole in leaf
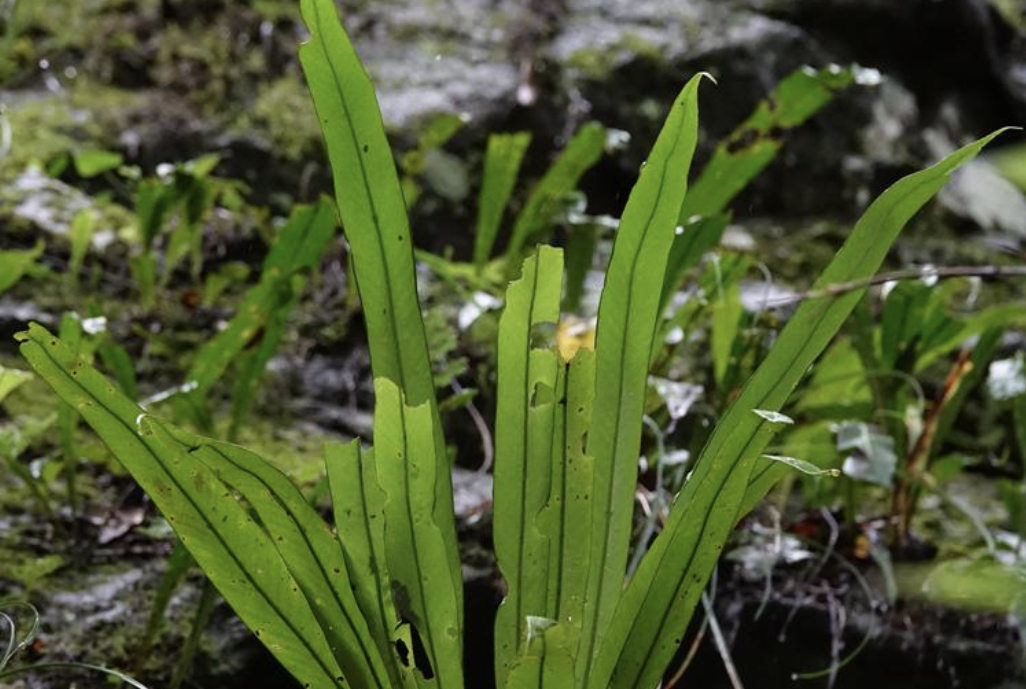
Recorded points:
(542,394)
(420,657)
(543,335)
(404,653)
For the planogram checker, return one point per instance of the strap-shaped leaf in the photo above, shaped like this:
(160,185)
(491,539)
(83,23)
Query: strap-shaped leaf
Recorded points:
(694,240)
(742,156)
(234,550)
(373,213)
(528,382)
(547,660)
(661,596)
(309,550)
(626,324)
(570,531)
(756,141)
(370,202)
(425,589)
(359,507)
(582,152)
(501,166)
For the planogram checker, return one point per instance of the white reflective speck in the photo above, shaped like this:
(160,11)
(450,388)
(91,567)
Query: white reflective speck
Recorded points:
(1006,378)
(617,139)
(95,325)
(158,397)
(478,304)
(773,416)
(867,76)
(929,275)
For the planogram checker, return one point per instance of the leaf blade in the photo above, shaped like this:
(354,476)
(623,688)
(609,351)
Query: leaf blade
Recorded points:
(628,311)
(673,573)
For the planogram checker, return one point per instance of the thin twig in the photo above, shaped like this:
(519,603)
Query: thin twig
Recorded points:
(942,272)
(721,643)
(487,444)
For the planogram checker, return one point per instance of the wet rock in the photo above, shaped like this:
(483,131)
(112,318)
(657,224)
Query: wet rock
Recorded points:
(97,616)
(431,58)
(980,194)
(15,317)
(960,47)
(45,204)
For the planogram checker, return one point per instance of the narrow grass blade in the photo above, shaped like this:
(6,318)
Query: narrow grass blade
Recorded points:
(660,598)
(548,196)
(426,591)
(502,165)
(234,549)
(693,240)
(370,202)
(627,319)
(756,141)
(299,246)
(252,361)
(527,392)
(15,263)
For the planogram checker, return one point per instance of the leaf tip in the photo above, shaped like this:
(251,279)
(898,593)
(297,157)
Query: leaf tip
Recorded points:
(707,75)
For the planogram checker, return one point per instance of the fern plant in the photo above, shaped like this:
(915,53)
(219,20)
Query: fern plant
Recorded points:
(376,602)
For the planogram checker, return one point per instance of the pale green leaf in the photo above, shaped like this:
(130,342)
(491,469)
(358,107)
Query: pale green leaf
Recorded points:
(10,379)
(529,382)
(502,165)
(427,593)
(548,197)
(801,465)
(628,312)
(235,552)
(370,202)
(15,263)
(358,504)
(661,597)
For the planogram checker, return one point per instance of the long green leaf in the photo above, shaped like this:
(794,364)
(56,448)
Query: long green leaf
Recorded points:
(311,553)
(548,196)
(741,157)
(659,600)
(359,507)
(374,218)
(569,528)
(756,141)
(502,165)
(234,550)
(627,319)
(417,545)
(370,202)
(527,393)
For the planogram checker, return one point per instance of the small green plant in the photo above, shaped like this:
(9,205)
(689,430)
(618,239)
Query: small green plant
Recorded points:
(868,393)
(378,602)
